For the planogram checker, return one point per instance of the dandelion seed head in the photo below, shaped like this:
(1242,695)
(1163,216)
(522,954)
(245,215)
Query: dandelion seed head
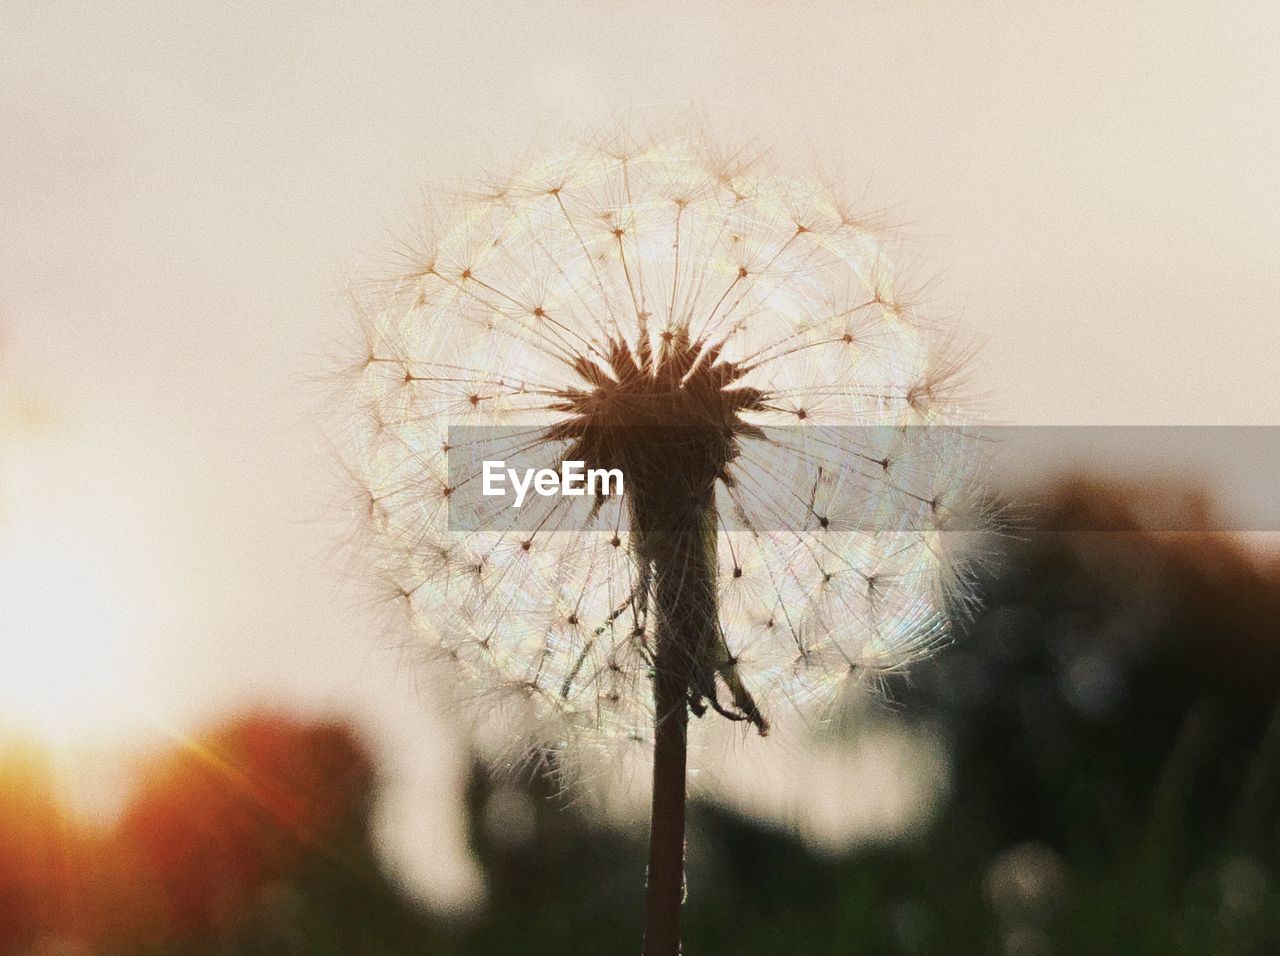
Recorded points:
(663,283)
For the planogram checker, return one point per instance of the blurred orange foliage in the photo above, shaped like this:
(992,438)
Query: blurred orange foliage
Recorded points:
(213,825)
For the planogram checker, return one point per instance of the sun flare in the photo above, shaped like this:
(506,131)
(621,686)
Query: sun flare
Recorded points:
(71,610)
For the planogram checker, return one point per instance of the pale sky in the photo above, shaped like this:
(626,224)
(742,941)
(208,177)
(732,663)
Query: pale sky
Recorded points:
(185,189)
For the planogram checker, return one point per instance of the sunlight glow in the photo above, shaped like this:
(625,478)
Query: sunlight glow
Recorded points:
(71,610)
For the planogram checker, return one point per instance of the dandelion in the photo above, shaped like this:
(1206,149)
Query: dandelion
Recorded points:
(732,342)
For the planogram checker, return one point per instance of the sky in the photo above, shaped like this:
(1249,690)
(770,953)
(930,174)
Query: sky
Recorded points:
(1089,190)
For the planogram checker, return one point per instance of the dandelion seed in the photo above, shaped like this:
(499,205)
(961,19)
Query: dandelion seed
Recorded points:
(720,335)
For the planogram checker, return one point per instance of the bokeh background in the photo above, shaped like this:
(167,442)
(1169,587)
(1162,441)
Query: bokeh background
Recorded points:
(207,742)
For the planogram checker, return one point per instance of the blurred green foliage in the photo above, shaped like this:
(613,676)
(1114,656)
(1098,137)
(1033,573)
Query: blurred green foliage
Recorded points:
(1111,714)
(1111,718)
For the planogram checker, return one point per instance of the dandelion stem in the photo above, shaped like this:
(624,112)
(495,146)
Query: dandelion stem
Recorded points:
(665,890)
(684,570)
